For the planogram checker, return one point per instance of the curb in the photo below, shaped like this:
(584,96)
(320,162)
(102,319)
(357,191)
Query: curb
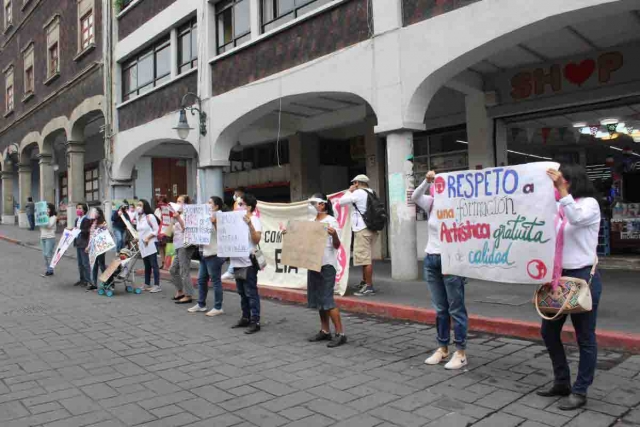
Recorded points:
(492,325)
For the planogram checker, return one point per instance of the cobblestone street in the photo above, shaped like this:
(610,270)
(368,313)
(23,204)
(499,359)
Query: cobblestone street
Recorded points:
(69,358)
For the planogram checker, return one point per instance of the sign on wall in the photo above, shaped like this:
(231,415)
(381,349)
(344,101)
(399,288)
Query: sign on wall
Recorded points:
(498,224)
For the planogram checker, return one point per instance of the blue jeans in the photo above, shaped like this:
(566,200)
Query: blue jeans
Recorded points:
(447,298)
(151,264)
(249,296)
(99,264)
(584,325)
(32,221)
(119,234)
(48,245)
(210,268)
(83,265)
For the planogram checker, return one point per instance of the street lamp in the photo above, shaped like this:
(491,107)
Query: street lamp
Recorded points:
(183,127)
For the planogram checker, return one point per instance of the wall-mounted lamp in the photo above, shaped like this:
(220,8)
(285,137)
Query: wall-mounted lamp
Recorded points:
(183,127)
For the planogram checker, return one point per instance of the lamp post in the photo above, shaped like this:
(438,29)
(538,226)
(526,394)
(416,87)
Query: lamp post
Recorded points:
(183,127)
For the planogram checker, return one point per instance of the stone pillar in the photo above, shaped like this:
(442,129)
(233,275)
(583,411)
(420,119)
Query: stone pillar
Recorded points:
(24,182)
(375,171)
(8,215)
(479,132)
(47,179)
(402,213)
(75,178)
(212,182)
(304,159)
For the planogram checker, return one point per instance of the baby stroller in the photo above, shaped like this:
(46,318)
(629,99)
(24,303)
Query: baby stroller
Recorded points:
(122,270)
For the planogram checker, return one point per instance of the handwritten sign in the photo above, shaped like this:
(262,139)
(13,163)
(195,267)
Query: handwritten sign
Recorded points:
(130,228)
(233,235)
(100,243)
(498,224)
(68,236)
(42,219)
(303,244)
(197,221)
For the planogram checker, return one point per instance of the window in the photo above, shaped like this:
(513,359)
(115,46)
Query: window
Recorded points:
(86,26)
(278,12)
(9,92)
(188,47)
(27,56)
(53,47)
(8,14)
(91,185)
(149,69)
(234,25)
(53,60)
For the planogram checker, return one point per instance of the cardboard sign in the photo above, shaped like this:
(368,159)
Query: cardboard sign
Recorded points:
(68,236)
(233,235)
(303,244)
(197,221)
(42,219)
(100,243)
(498,224)
(104,277)
(130,228)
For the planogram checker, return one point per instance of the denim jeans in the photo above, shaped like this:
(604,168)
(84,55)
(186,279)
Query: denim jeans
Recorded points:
(48,245)
(447,298)
(99,264)
(32,221)
(249,296)
(584,325)
(83,265)
(151,264)
(210,268)
(120,235)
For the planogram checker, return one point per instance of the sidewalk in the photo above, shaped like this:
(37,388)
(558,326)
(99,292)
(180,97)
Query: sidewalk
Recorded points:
(498,308)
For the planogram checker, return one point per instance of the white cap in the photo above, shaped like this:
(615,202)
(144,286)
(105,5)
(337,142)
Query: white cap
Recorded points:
(361,178)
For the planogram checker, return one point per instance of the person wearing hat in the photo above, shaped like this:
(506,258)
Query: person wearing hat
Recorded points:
(364,239)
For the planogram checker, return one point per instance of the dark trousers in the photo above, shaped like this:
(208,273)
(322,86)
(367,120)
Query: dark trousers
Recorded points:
(249,297)
(151,264)
(584,325)
(83,265)
(99,264)
(32,221)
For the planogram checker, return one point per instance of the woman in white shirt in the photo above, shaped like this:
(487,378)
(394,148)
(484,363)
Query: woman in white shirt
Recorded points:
(181,266)
(320,285)
(48,238)
(580,225)
(148,229)
(447,291)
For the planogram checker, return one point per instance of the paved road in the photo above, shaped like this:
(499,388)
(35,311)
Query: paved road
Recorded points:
(69,358)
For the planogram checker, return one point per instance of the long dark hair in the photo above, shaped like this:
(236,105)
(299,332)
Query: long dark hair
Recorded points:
(581,186)
(186,198)
(328,207)
(217,201)
(100,219)
(146,207)
(251,201)
(52,209)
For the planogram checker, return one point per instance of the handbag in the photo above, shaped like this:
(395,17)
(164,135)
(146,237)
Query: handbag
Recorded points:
(258,260)
(571,295)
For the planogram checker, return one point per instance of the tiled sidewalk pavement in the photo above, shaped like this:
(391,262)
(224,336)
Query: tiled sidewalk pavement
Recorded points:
(70,358)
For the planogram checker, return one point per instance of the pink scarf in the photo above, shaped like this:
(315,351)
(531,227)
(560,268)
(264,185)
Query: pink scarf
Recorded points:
(557,265)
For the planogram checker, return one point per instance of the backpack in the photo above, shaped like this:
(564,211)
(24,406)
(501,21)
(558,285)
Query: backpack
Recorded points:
(375,218)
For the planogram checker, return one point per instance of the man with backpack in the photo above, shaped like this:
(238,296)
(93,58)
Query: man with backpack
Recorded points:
(368,216)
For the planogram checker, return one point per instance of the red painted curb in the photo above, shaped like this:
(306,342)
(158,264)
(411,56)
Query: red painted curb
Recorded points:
(10,240)
(496,326)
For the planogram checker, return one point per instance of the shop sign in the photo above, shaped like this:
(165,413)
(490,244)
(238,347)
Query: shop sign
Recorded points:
(576,74)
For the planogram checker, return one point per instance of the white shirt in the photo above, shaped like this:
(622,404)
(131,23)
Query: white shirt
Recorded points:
(178,234)
(580,232)
(359,198)
(425,202)
(212,248)
(147,225)
(49,231)
(330,256)
(242,262)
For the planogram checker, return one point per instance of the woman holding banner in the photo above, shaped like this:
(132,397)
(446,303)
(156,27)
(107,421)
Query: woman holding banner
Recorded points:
(181,267)
(320,285)
(148,229)
(447,291)
(98,225)
(48,238)
(576,254)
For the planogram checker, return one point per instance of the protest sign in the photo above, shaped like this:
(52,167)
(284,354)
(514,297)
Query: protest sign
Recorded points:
(303,244)
(197,221)
(100,243)
(130,228)
(68,236)
(42,219)
(104,277)
(165,221)
(274,217)
(233,234)
(497,224)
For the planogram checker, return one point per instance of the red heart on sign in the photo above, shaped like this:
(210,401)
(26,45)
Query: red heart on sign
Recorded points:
(580,73)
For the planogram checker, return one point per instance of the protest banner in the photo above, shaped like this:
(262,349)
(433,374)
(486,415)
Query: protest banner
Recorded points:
(130,228)
(68,236)
(100,243)
(165,221)
(42,219)
(274,217)
(104,277)
(233,234)
(498,224)
(303,244)
(197,221)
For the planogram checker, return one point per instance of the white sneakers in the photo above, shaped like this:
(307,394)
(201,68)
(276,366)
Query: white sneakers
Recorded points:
(147,287)
(197,309)
(458,361)
(215,312)
(155,289)
(227,276)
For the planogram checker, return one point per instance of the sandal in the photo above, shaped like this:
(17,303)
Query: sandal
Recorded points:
(178,298)
(189,300)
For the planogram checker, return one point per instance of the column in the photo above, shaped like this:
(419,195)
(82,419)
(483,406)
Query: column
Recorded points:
(402,213)
(304,157)
(479,132)
(8,215)
(47,179)
(24,182)
(173,51)
(212,182)
(375,171)
(75,176)
(387,15)
(254,16)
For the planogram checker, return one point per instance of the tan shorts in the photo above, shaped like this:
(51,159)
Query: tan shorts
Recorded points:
(363,246)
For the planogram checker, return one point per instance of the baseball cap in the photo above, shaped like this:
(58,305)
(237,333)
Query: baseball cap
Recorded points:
(361,178)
